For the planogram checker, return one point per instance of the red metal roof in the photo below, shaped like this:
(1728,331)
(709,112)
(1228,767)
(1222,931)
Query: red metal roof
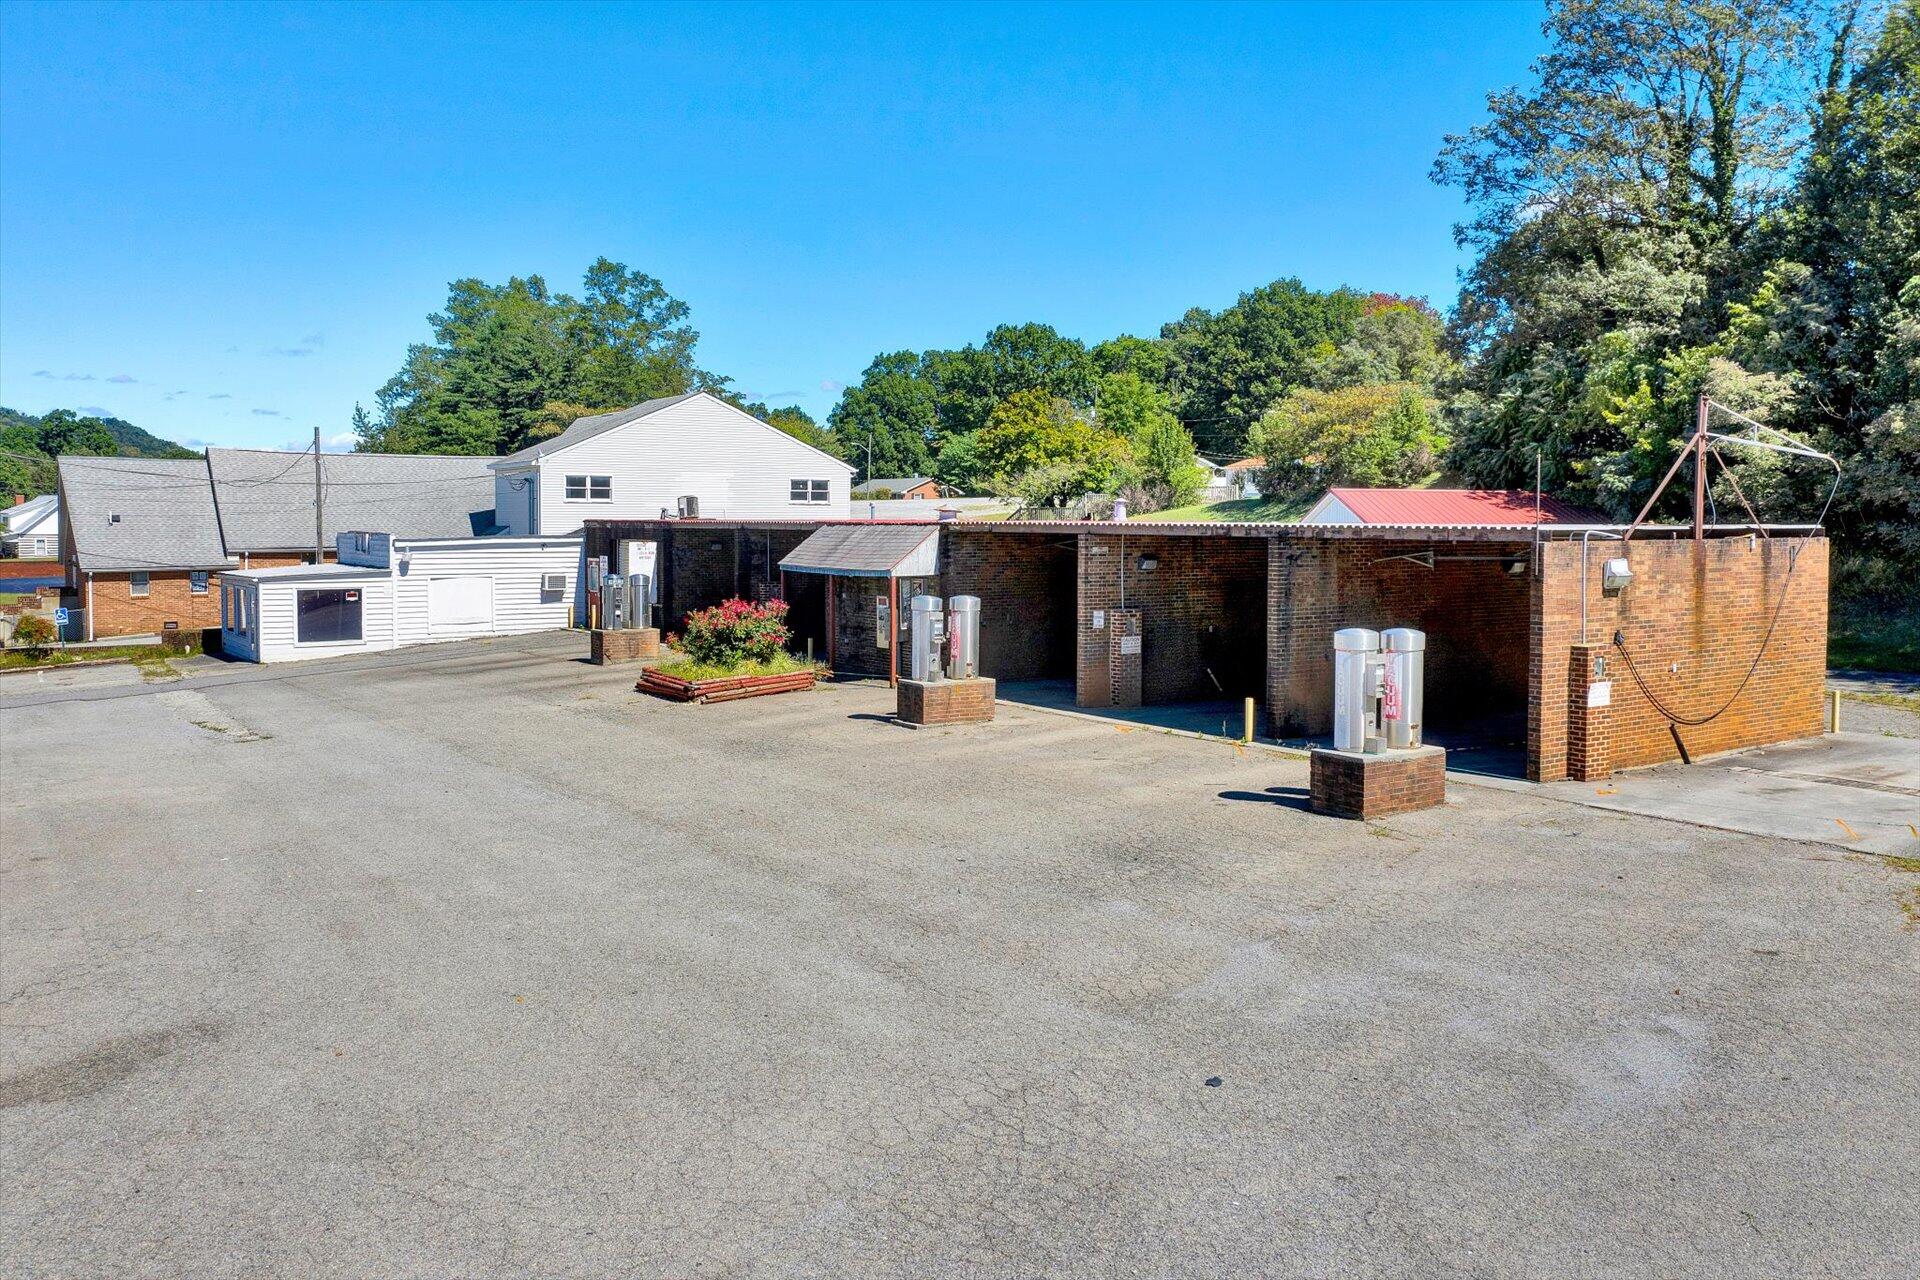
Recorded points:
(1459,506)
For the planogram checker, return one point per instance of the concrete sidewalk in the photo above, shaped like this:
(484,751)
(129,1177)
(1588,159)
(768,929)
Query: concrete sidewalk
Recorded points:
(1857,791)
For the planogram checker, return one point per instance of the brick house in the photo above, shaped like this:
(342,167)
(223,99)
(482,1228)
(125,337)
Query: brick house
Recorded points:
(1721,640)
(922,487)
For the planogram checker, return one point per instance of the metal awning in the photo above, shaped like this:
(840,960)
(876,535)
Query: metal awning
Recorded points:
(868,551)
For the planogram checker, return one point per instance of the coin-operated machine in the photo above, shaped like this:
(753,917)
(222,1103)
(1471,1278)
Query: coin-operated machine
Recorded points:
(944,684)
(1379,763)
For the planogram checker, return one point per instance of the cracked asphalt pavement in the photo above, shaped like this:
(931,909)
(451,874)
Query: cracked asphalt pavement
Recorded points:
(473,962)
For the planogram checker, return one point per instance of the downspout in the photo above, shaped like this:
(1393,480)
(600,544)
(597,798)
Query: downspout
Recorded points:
(89,606)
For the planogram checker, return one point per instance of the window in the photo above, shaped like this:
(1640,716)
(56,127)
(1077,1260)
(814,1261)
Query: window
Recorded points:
(197,582)
(137,585)
(326,617)
(589,488)
(39,546)
(809,491)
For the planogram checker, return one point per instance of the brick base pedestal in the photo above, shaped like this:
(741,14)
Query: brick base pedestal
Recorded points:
(642,644)
(945,702)
(1347,784)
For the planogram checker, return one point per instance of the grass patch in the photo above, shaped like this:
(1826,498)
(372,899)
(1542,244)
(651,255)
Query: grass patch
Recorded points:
(1903,701)
(150,658)
(784,665)
(1873,637)
(1241,510)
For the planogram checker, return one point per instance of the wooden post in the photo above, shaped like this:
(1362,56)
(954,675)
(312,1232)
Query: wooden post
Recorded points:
(828,580)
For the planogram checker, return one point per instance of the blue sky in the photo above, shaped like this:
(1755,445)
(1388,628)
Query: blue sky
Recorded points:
(226,223)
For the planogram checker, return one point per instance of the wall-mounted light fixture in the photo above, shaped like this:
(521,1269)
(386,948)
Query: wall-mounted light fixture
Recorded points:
(1149,562)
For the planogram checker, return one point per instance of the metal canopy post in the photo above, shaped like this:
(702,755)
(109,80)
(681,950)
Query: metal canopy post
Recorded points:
(893,623)
(1700,470)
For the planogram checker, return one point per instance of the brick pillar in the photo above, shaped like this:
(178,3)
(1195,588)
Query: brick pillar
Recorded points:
(1589,733)
(1123,662)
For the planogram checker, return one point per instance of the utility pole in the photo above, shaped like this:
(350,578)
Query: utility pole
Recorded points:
(1700,471)
(319,523)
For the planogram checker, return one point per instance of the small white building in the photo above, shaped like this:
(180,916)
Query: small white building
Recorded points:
(661,456)
(386,592)
(31,528)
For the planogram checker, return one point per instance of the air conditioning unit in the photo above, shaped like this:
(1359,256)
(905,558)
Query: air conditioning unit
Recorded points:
(689,506)
(553,582)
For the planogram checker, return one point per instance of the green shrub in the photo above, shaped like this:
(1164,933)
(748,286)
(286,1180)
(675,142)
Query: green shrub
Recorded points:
(734,632)
(35,635)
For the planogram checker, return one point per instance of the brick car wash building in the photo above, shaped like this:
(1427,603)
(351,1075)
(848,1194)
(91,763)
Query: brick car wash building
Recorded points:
(1721,637)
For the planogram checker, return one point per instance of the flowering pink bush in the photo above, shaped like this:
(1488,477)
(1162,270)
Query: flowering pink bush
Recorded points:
(735,632)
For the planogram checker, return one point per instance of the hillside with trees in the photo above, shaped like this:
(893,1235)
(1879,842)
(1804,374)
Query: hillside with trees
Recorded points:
(29,444)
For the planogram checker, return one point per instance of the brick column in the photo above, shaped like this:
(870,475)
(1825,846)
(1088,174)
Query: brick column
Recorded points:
(1123,661)
(1589,733)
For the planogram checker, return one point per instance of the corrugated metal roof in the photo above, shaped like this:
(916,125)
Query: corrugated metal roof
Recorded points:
(265,498)
(858,550)
(587,428)
(1459,507)
(165,511)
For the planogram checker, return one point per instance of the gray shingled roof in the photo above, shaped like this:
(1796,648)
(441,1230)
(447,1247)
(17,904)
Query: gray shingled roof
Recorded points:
(587,428)
(858,550)
(164,507)
(898,484)
(265,498)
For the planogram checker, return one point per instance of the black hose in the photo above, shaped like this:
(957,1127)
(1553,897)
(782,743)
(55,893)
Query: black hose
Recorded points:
(1620,643)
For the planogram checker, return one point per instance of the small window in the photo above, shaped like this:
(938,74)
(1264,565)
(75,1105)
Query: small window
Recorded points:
(809,491)
(589,488)
(39,546)
(197,582)
(137,585)
(327,617)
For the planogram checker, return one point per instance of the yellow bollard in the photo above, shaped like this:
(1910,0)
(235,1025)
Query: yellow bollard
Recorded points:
(1833,711)
(1249,736)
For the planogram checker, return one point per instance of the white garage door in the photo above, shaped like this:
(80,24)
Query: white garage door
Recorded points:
(460,604)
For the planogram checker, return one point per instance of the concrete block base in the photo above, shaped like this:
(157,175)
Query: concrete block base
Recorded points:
(1348,784)
(945,702)
(641,644)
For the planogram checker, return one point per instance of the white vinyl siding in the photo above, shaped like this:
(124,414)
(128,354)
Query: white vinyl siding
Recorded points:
(735,465)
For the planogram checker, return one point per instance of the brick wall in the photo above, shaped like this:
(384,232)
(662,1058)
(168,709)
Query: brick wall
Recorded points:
(1201,609)
(1693,620)
(1026,586)
(1476,615)
(169,598)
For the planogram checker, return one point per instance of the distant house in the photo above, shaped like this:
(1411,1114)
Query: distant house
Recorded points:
(691,454)
(1228,481)
(902,487)
(31,527)
(1449,507)
(145,540)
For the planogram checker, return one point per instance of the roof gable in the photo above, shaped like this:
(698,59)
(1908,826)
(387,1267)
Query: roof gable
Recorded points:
(1458,506)
(128,514)
(584,429)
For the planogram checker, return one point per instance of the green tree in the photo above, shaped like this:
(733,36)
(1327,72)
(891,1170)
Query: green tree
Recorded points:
(1031,430)
(1142,414)
(889,421)
(1374,435)
(972,382)
(1231,366)
(501,353)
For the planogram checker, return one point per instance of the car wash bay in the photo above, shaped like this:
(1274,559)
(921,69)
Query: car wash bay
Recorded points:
(1178,624)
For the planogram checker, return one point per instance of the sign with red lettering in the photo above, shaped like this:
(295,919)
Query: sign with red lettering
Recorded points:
(1390,698)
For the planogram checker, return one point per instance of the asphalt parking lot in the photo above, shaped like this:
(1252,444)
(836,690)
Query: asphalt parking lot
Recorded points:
(472,962)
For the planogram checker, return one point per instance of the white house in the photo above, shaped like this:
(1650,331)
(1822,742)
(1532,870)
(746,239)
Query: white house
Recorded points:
(386,592)
(688,454)
(31,528)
